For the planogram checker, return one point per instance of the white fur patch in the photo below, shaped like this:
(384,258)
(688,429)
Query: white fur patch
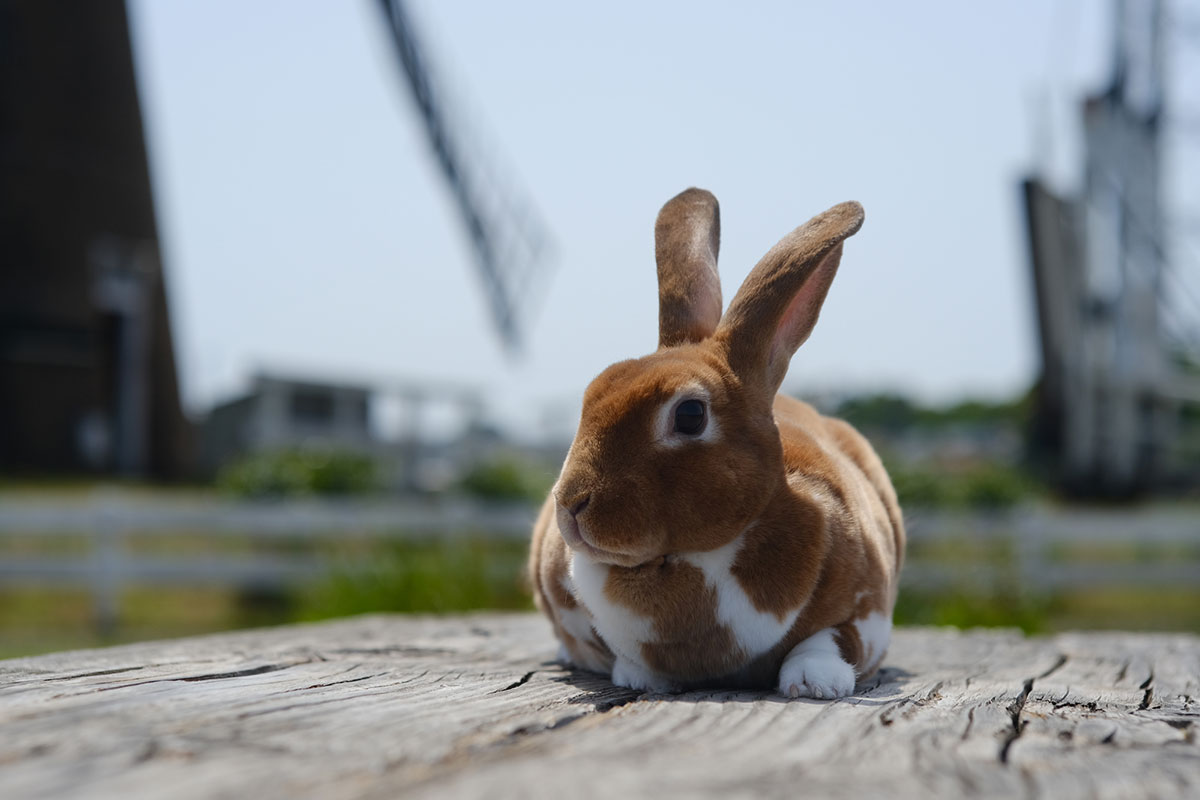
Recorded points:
(875,633)
(578,623)
(622,630)
(755,631)
(664,425)
(814,668)
(634,675)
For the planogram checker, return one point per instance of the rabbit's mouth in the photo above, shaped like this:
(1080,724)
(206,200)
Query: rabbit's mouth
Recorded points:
(576,538)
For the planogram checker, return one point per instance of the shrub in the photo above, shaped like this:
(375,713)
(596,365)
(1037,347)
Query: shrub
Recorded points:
(982,487)
(287,473)
(920,487)
(507,479)
(993,488)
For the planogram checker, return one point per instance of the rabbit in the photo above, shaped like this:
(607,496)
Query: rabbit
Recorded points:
(706,531)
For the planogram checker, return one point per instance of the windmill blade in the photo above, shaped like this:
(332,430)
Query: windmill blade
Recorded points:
(510,242)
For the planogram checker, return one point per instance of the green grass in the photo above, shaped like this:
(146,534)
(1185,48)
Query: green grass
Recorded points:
(439,576)
(1134,609)
(42,620)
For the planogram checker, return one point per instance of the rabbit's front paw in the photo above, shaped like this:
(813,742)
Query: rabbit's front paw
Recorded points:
(815,668)
(634,676)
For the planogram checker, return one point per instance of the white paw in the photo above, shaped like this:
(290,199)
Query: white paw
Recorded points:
(635,676)
(815,668)
(563,657)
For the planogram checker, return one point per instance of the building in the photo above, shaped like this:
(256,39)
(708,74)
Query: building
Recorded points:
(285,413)
(281,413)
(87,365)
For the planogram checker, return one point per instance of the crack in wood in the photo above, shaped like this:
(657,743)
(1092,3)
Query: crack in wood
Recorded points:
(336,683)
(212,676)
(1059,663)
(394,650)
(96,674)
(524,679)
(532,730)
(1018,726)
(970,723)
(1148,686)
(616,702)
(888,715)
(1090,705)
(933,695)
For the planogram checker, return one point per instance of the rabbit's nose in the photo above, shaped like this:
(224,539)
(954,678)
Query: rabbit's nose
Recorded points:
(579,506)
(576,505)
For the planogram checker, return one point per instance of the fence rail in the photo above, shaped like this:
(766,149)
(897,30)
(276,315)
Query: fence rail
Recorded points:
(1034,537)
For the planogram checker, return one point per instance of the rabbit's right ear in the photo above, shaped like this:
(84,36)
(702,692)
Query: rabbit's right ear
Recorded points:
(687,236)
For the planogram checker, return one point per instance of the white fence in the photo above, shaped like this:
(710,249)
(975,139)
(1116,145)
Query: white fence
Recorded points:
(1142,547)
(107,520)
(1167,541)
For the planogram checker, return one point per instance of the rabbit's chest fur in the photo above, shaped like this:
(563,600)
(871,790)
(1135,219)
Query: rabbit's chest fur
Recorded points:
(686,616)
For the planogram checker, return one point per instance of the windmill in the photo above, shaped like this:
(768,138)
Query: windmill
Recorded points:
(1112,293)
(510,241)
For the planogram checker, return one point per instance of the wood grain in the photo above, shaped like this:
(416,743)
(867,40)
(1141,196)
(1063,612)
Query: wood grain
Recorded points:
(474,707)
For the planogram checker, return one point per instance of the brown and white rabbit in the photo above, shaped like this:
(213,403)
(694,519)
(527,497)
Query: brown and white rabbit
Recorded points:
(706,531)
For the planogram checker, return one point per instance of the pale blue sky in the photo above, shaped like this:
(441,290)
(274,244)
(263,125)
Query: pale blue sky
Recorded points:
(305,227)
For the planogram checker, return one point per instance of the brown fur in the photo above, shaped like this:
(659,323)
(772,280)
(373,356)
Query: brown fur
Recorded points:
(684,609)
(822,530)
(688,230)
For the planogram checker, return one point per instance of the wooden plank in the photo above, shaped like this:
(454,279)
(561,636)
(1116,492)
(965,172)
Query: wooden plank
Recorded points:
(474,707)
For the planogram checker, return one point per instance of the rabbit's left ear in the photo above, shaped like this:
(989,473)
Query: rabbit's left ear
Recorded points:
(777,306)
(687,236)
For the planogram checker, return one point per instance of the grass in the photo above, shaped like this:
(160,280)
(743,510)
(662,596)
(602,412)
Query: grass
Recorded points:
(975,607)
(438,576)
(43,620)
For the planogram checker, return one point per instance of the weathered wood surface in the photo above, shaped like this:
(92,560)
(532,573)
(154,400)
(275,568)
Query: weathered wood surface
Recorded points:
(474,707)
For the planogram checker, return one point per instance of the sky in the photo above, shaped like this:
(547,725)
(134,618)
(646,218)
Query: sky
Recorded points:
(306,229)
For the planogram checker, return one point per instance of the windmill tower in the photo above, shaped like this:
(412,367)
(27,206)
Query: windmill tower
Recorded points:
(87,364)
(1110,390)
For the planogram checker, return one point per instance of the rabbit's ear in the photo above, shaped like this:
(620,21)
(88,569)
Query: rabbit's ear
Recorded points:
(777,306)
(687,236)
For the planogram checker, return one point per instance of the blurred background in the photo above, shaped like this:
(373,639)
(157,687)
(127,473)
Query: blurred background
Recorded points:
(298,300)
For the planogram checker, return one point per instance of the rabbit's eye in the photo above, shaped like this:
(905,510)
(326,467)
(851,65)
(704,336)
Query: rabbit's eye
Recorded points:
(690,417)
